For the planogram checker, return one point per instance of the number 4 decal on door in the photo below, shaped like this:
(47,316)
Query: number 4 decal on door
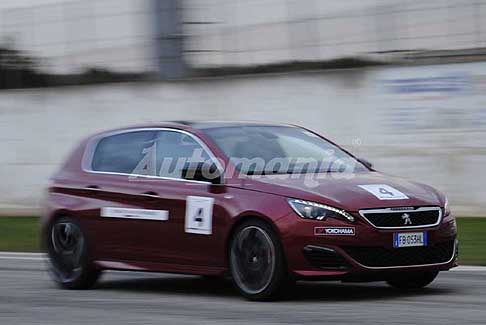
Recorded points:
(199,215)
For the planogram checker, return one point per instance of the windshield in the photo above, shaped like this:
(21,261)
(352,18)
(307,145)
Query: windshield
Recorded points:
(281,150)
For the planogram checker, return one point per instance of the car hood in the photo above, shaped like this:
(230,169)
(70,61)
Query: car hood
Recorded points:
(349,192)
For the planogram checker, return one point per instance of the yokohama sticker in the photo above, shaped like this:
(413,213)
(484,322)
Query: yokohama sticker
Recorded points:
(334,231)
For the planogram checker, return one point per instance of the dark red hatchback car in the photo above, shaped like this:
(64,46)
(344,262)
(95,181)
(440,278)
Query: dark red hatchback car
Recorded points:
(265,204)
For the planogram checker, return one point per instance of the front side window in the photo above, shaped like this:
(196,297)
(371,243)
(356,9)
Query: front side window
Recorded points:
(175,151)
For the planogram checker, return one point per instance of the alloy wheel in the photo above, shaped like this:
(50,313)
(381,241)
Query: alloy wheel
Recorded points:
(253,259)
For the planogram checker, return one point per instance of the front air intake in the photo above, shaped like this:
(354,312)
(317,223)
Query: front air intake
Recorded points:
(325,258)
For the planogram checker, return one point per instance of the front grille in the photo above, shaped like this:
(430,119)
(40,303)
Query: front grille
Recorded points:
(403,218)
(324,258)
(382,257)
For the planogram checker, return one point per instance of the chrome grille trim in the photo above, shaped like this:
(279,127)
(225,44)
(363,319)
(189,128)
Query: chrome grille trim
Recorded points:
(363,213)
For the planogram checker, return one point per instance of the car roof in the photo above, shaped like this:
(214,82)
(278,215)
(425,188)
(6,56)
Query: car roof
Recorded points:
(198,125)
(221,124)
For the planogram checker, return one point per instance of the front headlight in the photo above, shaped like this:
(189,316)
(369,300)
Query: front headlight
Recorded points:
(447,210)
(318,211)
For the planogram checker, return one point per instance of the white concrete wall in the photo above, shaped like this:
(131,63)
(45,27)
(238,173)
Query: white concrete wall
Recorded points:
(268,31)
(426,123)
(72,35)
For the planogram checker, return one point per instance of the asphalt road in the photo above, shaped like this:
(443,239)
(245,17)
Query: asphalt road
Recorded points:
(27,296)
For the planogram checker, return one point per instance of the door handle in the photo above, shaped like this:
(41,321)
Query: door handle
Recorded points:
(93,187)
(151,194)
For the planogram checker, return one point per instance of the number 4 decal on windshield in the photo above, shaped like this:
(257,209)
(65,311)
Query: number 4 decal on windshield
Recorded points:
(199,215)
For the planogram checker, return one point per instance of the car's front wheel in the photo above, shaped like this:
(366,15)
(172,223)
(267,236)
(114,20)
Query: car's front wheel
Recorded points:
(69,262)
(414,280)
(257,263)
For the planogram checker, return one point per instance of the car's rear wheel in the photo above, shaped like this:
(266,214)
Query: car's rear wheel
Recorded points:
(257,262)
(413,280)
(69,262)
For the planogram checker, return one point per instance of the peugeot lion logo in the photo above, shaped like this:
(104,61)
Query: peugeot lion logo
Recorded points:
(406,219)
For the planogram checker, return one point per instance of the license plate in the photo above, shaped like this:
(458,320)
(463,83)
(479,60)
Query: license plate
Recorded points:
(409,239)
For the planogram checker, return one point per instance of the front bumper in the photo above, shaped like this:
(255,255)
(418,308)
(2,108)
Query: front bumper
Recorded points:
(368,253)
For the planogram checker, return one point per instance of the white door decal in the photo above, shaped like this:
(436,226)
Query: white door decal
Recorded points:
(384,192)
(199,215)
(161,215)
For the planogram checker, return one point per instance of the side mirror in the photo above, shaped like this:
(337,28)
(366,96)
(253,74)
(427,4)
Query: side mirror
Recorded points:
(366,163)
(203,172)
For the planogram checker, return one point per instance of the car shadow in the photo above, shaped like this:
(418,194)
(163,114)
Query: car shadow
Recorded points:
(194,285)
(302,291)
(342,292)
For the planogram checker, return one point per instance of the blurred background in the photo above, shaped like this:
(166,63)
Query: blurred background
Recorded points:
(399,83)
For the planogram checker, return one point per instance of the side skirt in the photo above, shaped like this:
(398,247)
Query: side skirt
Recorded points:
(159,267)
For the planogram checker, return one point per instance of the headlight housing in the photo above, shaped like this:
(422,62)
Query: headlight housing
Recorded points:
(318,211)
(447,209)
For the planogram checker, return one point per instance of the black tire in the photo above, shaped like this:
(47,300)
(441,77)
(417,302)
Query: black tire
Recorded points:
(69,262)
(256,261)
(413,281)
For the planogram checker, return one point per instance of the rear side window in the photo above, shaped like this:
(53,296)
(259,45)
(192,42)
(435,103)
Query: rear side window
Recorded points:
(122,153)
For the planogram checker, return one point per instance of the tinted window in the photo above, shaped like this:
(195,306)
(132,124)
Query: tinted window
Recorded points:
(124,153)
(174,150)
